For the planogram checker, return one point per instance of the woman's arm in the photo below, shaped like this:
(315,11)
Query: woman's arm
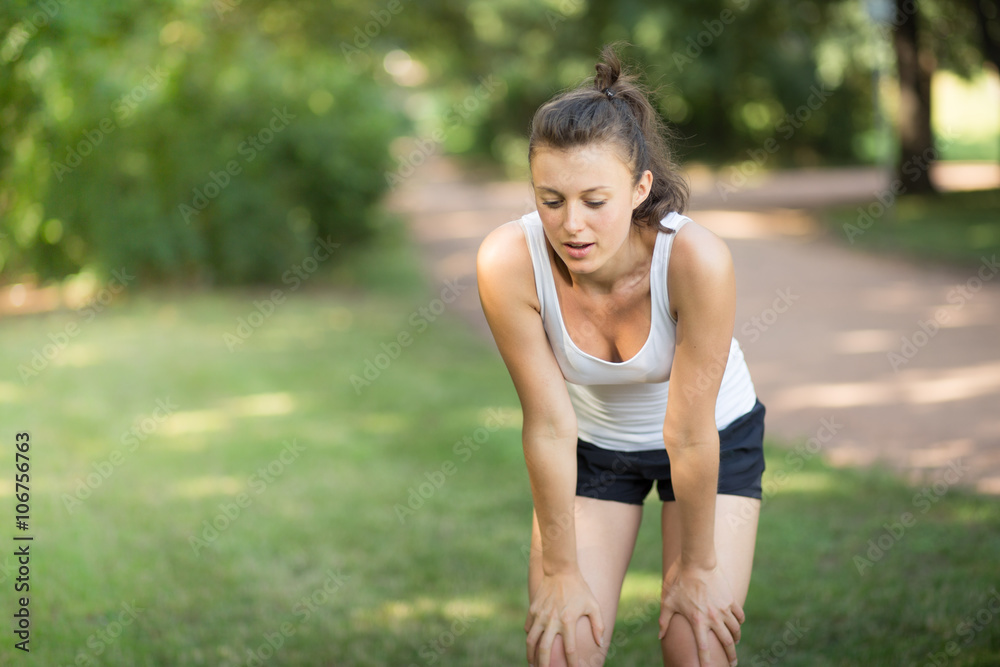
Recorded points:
(510,303)
(703,297)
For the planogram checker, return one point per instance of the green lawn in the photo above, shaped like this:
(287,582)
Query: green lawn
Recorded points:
(958,228)
(387,525)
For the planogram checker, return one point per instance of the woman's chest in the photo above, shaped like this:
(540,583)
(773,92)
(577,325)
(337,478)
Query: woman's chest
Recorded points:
(612,327)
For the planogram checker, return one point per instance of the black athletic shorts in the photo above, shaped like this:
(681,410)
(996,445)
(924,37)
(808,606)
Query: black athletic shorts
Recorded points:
(627,477)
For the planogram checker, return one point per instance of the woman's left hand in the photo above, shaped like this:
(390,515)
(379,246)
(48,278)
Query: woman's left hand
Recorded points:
(705,599)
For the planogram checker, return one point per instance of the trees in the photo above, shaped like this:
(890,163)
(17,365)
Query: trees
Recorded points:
(733,74)
(987,13)
(961,36)
(914,69)
(170,100)
(185,143)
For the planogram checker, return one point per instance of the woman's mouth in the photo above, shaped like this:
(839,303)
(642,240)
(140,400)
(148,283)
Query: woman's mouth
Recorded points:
(578,250)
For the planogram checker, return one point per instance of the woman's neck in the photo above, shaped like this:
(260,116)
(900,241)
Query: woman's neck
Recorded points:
(629,265)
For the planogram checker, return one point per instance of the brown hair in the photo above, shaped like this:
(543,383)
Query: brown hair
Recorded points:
(614,107)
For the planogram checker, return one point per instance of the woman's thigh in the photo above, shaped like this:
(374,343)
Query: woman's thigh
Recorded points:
(735,540)
(605,537)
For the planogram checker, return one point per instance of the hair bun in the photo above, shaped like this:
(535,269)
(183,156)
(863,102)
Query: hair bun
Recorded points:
(583,116)
(609,70)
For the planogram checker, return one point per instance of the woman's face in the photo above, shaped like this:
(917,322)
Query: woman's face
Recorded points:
(585,199)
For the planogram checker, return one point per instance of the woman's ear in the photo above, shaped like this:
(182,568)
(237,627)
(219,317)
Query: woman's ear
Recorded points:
(642,188)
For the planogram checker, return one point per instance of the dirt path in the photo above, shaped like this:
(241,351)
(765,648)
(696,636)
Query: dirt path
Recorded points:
(876,359)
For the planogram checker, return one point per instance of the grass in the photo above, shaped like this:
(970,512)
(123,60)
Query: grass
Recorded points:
(956,228)
(389,539)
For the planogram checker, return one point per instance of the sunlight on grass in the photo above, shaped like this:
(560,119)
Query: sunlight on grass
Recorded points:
(445,582)
(280,403)
(466,607)
(423,610)
(187,422)
(10,393)
(79,356)
(214,420)
(640,588)
(214,485)
(507,418)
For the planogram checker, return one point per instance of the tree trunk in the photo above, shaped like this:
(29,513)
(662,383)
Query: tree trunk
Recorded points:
(989,29)
(916,141)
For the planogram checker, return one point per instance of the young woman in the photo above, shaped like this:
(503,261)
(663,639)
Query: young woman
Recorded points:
(614,314)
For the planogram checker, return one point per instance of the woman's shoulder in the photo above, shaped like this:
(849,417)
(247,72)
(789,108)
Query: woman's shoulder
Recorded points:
(700,273)
(504,258)
(504,249)
(698,252)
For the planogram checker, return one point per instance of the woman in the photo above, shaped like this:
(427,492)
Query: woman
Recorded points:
(595,301)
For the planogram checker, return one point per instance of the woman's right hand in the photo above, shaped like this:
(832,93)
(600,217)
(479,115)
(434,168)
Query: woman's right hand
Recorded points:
(560,601)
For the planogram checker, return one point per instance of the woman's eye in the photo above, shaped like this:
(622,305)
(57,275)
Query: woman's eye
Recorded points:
(595,204)
(551,204)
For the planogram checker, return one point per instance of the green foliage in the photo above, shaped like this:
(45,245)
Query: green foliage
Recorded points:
(729,74)
(198,144)
(163,96)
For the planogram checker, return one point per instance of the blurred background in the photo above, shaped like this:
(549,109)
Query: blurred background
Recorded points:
(238,317)
(117,115)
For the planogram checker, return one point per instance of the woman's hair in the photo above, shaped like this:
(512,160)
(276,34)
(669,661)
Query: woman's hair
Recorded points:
(613,108)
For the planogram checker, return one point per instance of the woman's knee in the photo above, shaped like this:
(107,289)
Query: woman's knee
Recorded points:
(680,648)
(588,653)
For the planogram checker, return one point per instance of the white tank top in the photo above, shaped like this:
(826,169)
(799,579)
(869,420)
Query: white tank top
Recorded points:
(621,406)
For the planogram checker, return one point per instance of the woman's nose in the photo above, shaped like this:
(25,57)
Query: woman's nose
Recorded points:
(574,219)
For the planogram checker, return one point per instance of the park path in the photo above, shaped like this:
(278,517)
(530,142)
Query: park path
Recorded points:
(819,322)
